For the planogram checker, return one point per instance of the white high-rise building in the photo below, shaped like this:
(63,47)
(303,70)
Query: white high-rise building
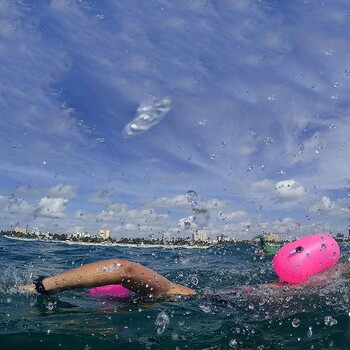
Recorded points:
(200,236)
(105,233)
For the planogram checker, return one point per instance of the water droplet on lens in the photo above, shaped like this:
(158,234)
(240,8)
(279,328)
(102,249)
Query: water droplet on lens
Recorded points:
(347,72)
(162,322)
(261,167)
(301,148)
(212,156)
(233,343)
(269,141)
(296,322)
(250,167)
(192,198)
(148,114)
(201,216)
(252,134)
(309,332)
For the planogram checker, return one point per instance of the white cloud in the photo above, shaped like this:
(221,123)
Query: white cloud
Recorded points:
(326,205)
(236,215)
(179,201)
(102,196)
(19,206)
(51,207)
(263,185)
(289,189)
(62,191)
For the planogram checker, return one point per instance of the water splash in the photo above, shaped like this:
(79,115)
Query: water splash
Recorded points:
(149,113)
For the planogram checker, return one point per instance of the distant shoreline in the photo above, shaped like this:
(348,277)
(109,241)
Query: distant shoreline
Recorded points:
(108,244)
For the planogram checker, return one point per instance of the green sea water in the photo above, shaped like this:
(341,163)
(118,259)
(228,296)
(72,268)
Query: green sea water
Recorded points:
(223,316)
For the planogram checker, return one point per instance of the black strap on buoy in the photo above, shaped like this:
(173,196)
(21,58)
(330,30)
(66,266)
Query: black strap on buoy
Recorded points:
(298,249)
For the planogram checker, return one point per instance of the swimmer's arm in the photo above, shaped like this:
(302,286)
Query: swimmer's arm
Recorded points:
(133,276)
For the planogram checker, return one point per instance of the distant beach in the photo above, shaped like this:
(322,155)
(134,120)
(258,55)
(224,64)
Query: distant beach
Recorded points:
(109,244)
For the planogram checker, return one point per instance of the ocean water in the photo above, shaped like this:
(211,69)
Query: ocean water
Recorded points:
(224,315)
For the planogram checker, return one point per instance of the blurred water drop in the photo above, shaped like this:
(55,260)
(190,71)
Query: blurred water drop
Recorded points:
(212,156)
(347,72)
(202,122)
(301,148)
(148,114)
(201,216)
(162,322)
(192,198)
(223,144)
(100,139)
(187,225)
(269,141)
(331,126)
(296,322)
(233,344)
(349,193)
(330,321)
(336,84)
(194,280)
(252,134)
(250,167)
(261,167)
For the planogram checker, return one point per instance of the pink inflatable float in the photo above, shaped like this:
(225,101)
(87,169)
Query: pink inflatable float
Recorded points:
(112,290)
(297,261)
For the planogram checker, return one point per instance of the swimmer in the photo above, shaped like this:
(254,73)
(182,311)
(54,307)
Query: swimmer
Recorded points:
(133,276)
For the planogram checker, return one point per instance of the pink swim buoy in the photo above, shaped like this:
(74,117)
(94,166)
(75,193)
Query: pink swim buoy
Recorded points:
(111,290)
(297,261)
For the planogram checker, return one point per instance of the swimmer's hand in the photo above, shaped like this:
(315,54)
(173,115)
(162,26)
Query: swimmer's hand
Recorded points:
(180,290)
(28,288)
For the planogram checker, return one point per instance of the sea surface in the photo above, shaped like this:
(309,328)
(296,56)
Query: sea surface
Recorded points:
(225,314)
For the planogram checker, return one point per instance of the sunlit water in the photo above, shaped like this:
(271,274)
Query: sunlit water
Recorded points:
(223,316)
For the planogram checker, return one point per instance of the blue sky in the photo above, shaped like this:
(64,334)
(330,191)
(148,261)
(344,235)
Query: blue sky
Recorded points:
(258,124)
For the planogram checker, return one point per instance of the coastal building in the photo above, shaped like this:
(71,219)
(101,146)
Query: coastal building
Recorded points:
(222,238)
(104,233)
(166,237)
(270,237)
(200,236)
(80,234)
(21,230)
